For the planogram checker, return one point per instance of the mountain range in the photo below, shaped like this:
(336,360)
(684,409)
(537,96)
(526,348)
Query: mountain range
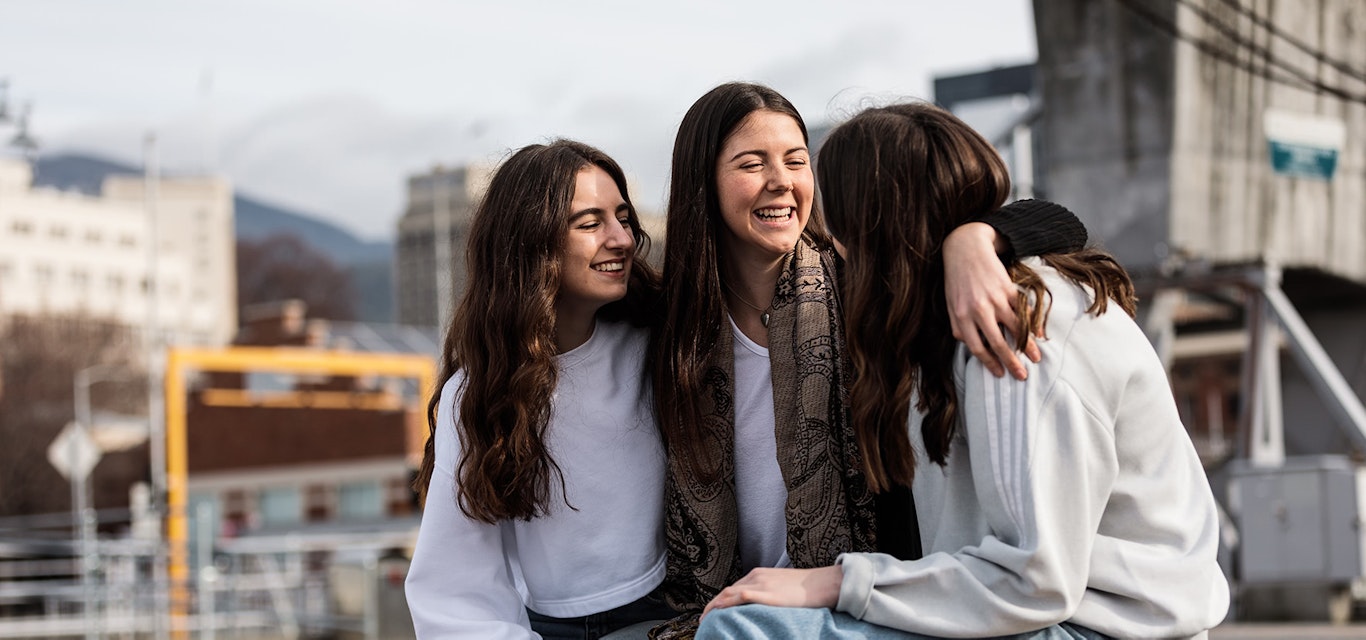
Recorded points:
(369,263)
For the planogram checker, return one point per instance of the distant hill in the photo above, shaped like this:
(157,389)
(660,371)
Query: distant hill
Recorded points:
(370,263)
(256,220)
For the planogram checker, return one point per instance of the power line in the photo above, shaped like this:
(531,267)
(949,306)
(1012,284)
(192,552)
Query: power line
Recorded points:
(1261,50)
(1258,50)
(1295,77)
(1293,41)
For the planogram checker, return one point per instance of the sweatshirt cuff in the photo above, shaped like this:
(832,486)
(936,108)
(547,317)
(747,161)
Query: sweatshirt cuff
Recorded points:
(1035,227)
(856,587)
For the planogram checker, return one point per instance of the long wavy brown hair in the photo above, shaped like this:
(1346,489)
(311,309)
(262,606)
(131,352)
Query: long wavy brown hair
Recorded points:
(695,311)
(895,181)
(502,335)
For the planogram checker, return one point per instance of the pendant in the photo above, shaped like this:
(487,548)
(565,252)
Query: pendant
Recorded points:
(763,319)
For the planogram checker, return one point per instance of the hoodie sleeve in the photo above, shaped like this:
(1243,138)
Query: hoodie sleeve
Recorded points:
(460,584)
(1041,469)
(1036,227)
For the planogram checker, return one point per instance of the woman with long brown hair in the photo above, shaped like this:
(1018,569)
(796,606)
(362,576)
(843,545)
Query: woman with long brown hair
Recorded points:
(1070,504)
(750,376)
(543,471)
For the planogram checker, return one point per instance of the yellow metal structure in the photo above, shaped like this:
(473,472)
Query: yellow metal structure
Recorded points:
(182,362)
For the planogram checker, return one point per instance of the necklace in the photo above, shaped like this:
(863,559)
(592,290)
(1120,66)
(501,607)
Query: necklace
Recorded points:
(764,312)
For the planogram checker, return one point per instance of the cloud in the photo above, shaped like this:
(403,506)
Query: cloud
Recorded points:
(822,76)
(332,120)
(343,157)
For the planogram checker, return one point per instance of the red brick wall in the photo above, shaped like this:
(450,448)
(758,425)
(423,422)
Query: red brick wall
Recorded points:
(234,438)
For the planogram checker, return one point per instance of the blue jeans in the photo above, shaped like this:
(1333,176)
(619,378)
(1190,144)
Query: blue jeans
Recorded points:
(753,621)
(597,625)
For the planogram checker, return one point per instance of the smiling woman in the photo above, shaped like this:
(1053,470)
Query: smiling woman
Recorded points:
(1067,505)
(532,522)
(597,255)
(750,366)
(764,180)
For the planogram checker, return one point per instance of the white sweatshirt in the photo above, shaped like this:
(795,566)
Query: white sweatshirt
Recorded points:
(1072,496)
(469,579)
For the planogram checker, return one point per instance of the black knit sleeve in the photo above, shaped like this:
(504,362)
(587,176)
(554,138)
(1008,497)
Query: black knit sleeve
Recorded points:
(1036,227)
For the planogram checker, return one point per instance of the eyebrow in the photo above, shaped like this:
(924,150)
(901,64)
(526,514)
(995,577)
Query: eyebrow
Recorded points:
(594,211)
(758,152)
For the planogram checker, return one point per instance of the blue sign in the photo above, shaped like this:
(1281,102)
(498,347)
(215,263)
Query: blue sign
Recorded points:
(1303,161)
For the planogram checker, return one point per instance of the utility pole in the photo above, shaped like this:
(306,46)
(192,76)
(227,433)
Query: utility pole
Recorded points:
(156,426)
(84,516)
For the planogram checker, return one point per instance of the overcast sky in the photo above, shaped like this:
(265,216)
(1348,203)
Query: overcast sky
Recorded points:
(326,106)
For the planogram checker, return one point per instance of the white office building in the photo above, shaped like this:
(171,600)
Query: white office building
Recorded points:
(68,253)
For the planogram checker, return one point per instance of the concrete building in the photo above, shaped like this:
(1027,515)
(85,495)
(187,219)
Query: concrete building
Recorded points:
(271,453)
(1218,148)
(443,198)
(71,253)
(1162,146)
(1159,142)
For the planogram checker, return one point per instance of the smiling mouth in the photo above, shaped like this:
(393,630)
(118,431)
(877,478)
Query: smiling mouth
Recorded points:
(609,267)
(775,215)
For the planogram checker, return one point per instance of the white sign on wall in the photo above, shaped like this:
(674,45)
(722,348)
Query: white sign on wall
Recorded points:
(1303,145)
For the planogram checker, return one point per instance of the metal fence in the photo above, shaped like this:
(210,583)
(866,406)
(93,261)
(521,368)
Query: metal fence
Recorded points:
(297,584)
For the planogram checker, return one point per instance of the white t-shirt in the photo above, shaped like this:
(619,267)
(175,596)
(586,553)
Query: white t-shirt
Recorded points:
(760,494)
(606,552)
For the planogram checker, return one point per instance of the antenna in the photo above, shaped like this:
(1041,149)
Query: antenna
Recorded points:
(22,140)
(4,101)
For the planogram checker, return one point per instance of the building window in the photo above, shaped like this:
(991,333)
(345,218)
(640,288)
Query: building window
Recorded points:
(235,513)
(205,515)
(58,232)
(80,278)
(281,506)
(43,274)
(128,241)
(1207,391)
(318,505)
(360,501)
(402,500)
(21,227)
(115,282)
(92,236)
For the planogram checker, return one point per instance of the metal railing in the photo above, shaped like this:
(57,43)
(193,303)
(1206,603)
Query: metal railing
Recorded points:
(288,585)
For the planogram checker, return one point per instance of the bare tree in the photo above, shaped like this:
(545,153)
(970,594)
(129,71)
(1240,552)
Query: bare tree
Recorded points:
(283,266)
(39,358)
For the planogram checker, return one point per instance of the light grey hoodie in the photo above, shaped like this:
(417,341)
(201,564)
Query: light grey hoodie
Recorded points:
(1072,496)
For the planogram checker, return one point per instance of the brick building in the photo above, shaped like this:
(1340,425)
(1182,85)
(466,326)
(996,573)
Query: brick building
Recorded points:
(272,453)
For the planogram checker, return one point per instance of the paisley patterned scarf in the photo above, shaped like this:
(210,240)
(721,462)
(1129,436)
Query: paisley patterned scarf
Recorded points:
(829,508)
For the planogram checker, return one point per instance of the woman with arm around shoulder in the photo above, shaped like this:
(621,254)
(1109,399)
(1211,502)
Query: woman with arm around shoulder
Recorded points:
(750,375)
(543,472)
(1069,504)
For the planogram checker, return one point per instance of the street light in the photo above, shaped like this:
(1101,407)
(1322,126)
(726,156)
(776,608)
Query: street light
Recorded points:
(83,517)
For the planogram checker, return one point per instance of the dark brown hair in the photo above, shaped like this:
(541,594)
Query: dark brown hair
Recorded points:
(694,309)
(895,181)
(502,335)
